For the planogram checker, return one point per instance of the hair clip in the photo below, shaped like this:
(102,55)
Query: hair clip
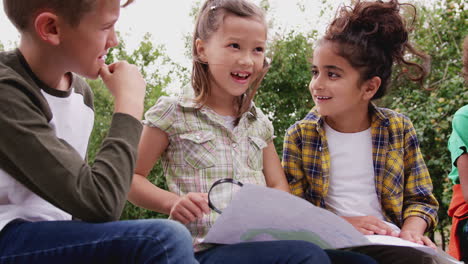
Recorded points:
(213,7)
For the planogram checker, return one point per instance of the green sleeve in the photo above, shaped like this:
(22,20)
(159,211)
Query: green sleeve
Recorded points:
(32,154)
(458,140)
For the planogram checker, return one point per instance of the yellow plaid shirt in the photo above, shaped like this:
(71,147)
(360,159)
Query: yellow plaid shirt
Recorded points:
(402,181)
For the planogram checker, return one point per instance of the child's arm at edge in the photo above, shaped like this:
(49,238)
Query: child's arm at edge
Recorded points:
(143,193)
(462,165)
(272,169)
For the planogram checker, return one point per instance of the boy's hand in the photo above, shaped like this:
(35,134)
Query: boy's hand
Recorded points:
(127,86)
(370,225)
(190,207)
(417,238)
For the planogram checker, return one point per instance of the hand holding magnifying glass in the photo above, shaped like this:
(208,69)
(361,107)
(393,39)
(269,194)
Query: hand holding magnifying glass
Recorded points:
(221,193)
(190,207)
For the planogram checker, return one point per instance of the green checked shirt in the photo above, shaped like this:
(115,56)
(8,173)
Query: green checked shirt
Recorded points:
(402,181)
(202,149)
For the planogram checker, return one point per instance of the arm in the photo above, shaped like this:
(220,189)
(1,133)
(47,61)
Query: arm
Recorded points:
(458,145)
(462,165)
(48,166)
(419,204)
(418,199)
(143,193)
(274,174)
(292,162)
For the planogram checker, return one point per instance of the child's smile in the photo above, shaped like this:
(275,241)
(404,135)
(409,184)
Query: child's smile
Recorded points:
(241,77)
(235,56)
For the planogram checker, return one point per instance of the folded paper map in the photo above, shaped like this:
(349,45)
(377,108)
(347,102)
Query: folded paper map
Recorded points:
(258,213)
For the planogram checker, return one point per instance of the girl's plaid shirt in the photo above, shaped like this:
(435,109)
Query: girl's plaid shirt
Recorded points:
(402,181)
(202,150)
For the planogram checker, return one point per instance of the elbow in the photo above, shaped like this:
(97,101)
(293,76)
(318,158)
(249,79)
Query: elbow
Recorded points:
(103,211)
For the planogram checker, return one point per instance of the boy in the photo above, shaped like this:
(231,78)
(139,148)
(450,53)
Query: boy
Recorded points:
(46,118)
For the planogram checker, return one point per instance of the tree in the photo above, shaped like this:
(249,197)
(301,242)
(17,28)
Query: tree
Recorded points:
(159,71)
(439,33)
(284,94)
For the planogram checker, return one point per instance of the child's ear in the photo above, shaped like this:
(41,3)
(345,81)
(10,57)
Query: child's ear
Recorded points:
(199,45)
(371,86)
(46,26)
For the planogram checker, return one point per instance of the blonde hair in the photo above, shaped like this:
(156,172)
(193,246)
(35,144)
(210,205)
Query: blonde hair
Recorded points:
(208,22)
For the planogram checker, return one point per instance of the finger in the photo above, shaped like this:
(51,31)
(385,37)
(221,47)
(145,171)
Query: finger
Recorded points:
(179,217)
(375,229)
(186,213)
(418,240)
(365,231)
(201,200)
(204,195)
(104,71)
(408,236)
(385,229)
(428,242)
(192,207)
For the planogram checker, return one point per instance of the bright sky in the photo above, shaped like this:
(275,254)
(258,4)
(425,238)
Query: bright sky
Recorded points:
(169,21)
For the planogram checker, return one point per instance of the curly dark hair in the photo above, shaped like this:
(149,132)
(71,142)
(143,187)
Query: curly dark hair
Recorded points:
(372,36)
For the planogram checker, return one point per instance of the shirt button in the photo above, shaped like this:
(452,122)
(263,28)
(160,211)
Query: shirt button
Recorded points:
(234,145)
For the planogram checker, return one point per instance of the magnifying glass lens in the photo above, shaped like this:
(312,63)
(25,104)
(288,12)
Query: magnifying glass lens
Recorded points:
(221,195)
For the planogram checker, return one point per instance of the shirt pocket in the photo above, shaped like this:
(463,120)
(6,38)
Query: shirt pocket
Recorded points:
(393,180)
(199,149)
(255,156)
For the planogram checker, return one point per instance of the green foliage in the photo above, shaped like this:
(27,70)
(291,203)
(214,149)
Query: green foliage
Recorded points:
(284,95)
(440,33)
(149,59)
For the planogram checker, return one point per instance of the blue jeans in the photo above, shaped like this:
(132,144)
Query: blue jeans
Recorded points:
(136,241)
(281,252)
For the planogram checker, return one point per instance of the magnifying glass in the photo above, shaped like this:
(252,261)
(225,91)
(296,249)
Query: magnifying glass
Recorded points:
(221,193)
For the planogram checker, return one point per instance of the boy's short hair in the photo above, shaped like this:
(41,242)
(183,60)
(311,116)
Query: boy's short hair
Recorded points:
(21,12)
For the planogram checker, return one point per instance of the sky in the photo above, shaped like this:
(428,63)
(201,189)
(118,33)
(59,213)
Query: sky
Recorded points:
(169,21)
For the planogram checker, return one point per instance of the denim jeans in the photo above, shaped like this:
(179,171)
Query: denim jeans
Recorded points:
(280,252)
(136,241)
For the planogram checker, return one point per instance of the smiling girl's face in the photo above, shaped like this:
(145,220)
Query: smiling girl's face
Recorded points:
(336,86)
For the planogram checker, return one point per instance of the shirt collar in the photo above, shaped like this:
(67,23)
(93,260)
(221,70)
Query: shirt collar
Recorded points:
(377,115)
(187,100)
